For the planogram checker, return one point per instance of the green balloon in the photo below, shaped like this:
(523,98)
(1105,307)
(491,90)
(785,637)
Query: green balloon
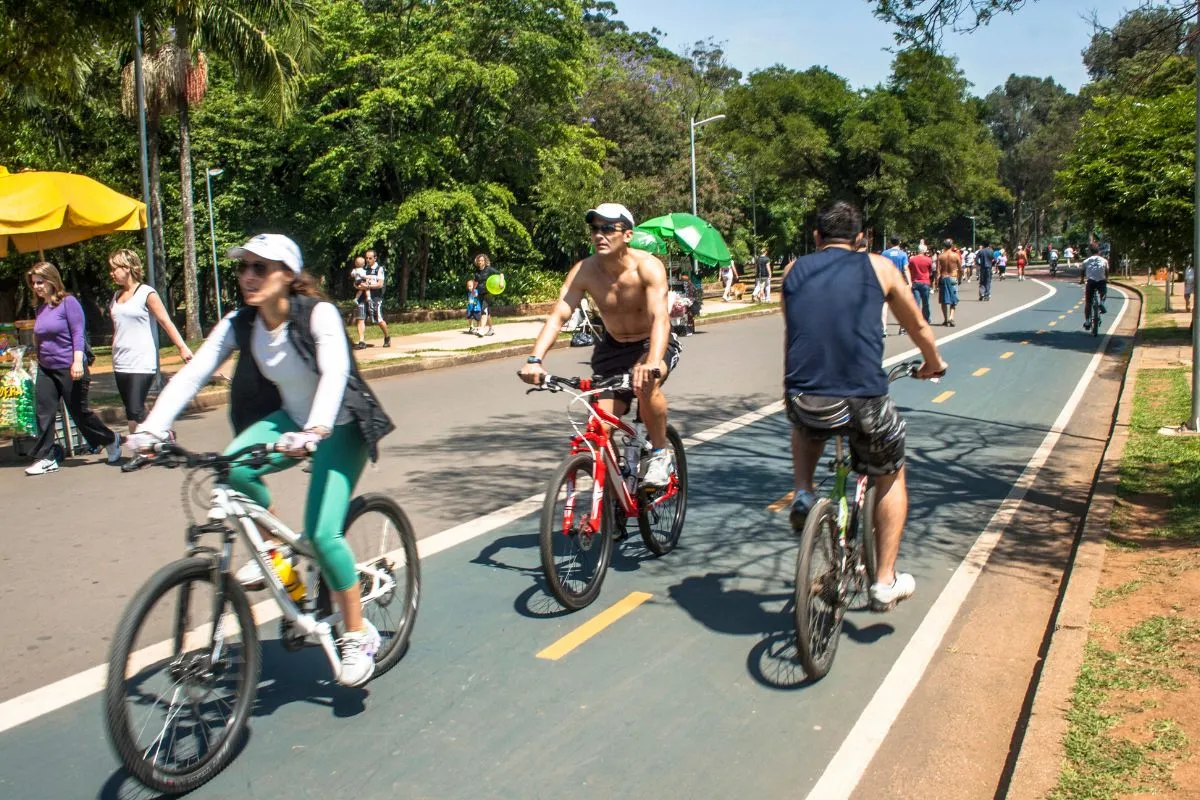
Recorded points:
(495,284)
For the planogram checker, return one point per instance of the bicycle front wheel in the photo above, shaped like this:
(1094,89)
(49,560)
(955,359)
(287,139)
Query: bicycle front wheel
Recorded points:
(575,548)
(389,572)
(819,601)
(661,523)
(182,675)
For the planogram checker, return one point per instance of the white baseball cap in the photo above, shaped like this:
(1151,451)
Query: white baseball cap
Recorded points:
(273,247)
(609,212)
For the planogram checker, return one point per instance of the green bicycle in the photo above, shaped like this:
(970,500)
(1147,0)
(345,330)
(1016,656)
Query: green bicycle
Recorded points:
(837,559)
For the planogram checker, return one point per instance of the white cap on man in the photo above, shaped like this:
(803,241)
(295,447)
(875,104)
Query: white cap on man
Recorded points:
(273,247)
(609,212)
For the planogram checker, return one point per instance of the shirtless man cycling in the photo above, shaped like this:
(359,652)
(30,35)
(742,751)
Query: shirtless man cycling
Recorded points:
(629,289)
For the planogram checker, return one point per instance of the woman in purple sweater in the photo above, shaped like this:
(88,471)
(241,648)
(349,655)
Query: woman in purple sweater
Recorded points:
(58,332)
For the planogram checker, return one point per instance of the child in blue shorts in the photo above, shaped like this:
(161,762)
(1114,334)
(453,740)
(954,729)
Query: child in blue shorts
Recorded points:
(474,307)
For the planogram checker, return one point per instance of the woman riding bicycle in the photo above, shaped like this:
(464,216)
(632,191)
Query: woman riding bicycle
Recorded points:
(300,388)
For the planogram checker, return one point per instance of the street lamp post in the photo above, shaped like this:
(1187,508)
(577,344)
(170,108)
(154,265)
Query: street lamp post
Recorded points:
(209,174)
(693,127)
(972,232)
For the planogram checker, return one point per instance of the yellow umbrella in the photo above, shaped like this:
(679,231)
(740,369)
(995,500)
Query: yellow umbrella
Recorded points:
(41,210)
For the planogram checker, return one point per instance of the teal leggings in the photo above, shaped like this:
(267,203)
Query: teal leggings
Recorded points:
(336,467)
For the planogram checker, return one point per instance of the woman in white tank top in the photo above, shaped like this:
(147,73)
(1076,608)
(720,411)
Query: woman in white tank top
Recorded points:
(134,359)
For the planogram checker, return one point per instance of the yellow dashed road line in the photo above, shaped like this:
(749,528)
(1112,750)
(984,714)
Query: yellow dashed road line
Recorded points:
(594,625)
(783,502)
(1009,354)
(981,371)
(943,397)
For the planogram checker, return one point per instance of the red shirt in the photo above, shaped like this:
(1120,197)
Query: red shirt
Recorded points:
(921,268)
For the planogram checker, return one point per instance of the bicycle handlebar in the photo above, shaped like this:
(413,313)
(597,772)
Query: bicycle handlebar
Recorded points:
(555,383)
(172,455)
(909,369)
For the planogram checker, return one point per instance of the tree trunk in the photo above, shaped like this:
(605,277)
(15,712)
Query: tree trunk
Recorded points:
(424,267)
(156,209)
(191,296)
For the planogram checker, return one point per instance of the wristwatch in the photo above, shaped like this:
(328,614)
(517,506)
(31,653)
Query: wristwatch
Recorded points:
(533,360)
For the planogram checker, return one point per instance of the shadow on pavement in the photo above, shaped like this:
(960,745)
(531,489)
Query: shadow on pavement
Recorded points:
(1075,338)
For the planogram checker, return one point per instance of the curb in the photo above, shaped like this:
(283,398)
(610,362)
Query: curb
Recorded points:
(1042,748)
(219,396)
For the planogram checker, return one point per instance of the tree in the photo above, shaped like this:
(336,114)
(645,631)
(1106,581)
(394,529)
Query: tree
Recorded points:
(265,42)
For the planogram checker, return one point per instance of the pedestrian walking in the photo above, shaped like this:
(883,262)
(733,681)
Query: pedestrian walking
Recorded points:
(62,372)
(1001,261)
(483,271)
(984,260)
(762,277)
(1022,260)
(134,360)
(949,267)
(474,308)
(728,276)
(898,256)
(1189,286)
(968,266)
(920,269)
(1068,254)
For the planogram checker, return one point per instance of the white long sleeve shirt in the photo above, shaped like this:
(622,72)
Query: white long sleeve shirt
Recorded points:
(309,398)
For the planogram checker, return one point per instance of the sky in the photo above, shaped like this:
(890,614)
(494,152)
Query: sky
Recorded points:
(1045,38)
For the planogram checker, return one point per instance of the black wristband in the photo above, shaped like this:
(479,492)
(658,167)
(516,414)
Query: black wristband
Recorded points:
(533,360)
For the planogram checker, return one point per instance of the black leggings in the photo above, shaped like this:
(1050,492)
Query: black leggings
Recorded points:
(54,385)
(134,387)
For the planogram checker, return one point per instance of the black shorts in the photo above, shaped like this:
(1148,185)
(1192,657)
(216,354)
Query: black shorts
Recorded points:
(134,387)
(611,358)
(485,304)
(874,426)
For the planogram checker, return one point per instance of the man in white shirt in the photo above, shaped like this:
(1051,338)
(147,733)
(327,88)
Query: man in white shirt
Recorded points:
(372,309)
(1094,270)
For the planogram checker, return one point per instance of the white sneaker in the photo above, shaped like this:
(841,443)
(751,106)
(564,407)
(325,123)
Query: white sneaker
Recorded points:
(113,448)
(358,655)
(656,473)
(884,597)
(250,575)
(42,467)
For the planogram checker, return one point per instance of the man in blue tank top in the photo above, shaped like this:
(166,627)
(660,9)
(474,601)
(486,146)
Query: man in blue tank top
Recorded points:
(834,377)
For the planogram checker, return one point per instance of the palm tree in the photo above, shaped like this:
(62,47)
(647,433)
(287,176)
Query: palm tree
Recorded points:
(265,42)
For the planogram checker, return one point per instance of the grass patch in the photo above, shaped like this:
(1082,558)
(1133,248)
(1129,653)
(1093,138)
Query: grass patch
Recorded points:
(1101,765)
(1106,597)
(1163,466)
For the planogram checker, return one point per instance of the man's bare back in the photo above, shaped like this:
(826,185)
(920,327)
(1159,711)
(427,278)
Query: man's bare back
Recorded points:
(619,291)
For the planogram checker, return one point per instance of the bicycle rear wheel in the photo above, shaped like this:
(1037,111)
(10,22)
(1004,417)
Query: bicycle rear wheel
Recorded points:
(575,556)
(866,532)
(660,524)
(1095,316)
(819,602)
(182,676)
(383,541)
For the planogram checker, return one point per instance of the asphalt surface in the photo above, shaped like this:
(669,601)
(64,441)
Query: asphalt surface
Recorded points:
(694,693)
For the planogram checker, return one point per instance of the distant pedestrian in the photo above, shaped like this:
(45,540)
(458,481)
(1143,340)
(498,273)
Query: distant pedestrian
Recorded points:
(376,279)
(1189,286)
(897,255)
(984,260)
(1068,254)
(920,269)
(134,361)
(762,278)
(62,374)
(474,308)
(483,271)
(968,265)
(728,276)
(1001,261)
(949,267)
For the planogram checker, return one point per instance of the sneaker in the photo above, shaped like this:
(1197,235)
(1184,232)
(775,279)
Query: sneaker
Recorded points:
(250,575)
(952,325)
(360,346)
(135,463)
(358,655)
(1103,310)
(490,332)
(42,467)
(387,341)
(1087,325)
(884,597)
(113,448)
(901,332)
(656,469)
(802,503)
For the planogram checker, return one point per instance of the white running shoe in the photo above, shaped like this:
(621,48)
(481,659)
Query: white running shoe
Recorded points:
(358,655)
(42,467)
(656,473)
(113,448)
(884,597)
(250,575)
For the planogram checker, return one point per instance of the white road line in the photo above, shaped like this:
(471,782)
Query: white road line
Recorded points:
(847,766)
(41,701)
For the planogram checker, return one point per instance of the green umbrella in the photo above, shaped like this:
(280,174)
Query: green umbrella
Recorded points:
(693,235)
(649,241)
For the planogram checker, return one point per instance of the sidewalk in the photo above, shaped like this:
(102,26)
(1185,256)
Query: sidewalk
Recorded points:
(408,353)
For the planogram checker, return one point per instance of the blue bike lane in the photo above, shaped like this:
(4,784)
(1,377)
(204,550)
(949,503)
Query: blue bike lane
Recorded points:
(694,692)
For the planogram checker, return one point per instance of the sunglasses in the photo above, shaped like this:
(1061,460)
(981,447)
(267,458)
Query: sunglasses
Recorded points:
(606,228)
(259,269)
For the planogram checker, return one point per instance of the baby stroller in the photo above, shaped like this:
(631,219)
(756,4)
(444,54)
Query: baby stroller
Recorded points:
(683,305)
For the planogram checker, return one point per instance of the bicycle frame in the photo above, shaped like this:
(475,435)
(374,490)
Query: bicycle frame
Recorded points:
(596,438)
(841,475)
(227,503)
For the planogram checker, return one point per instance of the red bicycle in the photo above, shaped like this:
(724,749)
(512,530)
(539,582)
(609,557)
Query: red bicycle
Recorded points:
(595,492)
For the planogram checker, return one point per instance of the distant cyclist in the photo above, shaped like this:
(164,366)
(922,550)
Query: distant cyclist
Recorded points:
(295,384)
(834,378)
(629,289)
(1094,270)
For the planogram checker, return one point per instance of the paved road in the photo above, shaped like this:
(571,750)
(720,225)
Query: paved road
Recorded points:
(693,694)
